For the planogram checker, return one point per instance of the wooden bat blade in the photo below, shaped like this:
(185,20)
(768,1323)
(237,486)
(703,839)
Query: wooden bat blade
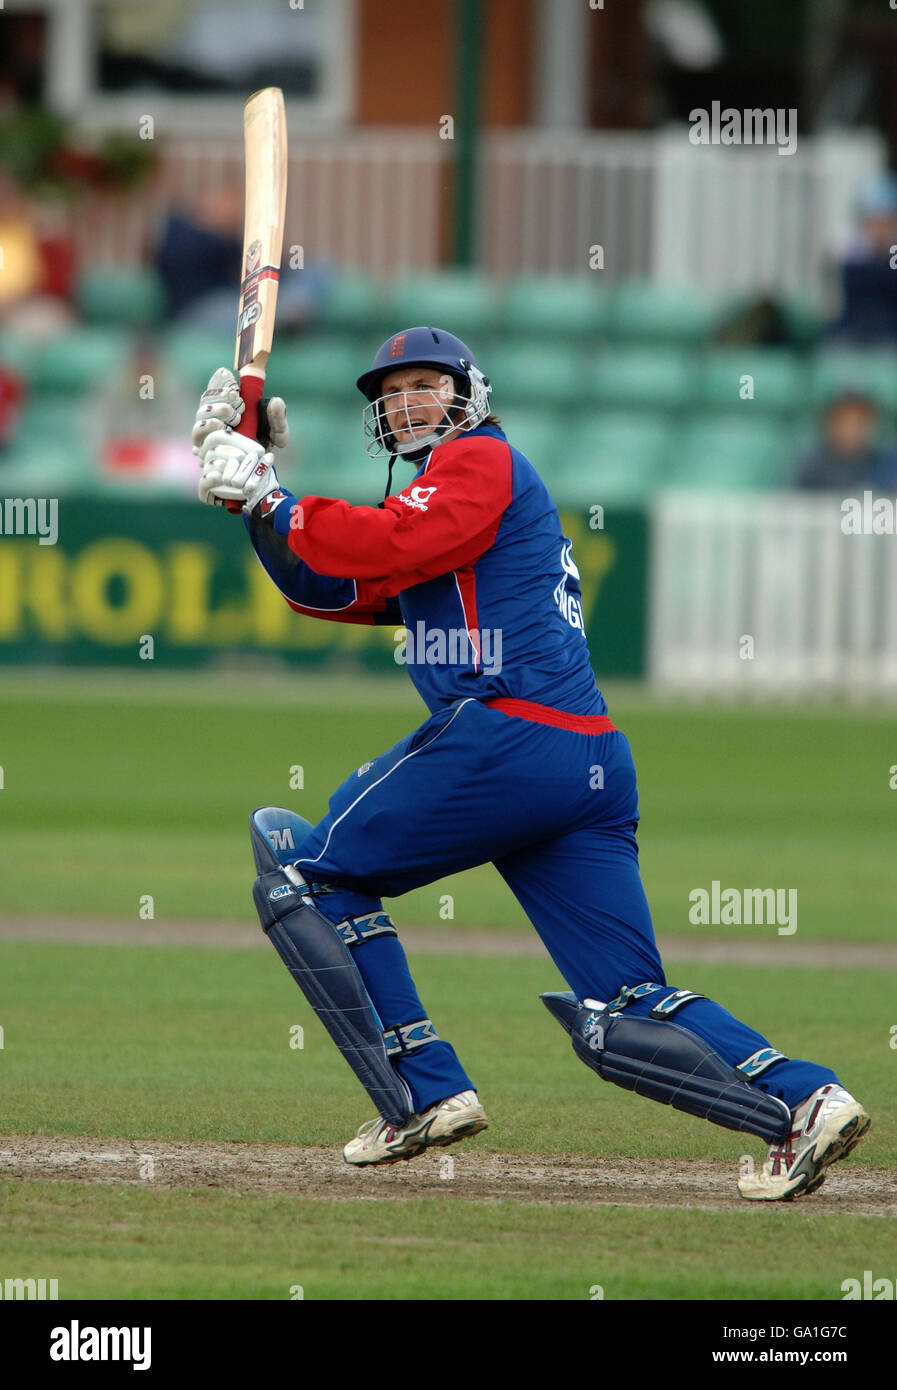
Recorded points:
(265,134)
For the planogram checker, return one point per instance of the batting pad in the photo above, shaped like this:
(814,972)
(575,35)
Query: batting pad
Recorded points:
(313,951)
(661,1060)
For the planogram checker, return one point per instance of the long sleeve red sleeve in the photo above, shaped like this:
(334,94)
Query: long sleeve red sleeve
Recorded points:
(442,521)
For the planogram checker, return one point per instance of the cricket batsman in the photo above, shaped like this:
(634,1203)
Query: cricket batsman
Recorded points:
(518,763)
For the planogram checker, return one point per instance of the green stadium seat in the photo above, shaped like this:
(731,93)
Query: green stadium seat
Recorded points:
(320,366)
(779,380)
(459,301)
(194,354)
(804,322)
(554,374)
(722,454)
(539,434)
(79,359)
(131,298)
(323,440)
(642,312)
(19,353)
(641,378)
(51,464)
(357,303)
(872,371)
(556,306)
(53,415)
(612,457)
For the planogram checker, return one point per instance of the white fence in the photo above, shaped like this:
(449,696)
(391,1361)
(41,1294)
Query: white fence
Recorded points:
(728,218)
(766,594)
(747,218)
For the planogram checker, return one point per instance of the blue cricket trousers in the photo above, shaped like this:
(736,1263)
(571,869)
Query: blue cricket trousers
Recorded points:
(555,809)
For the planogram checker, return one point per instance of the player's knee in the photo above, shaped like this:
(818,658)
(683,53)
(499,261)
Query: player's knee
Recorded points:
(284,831)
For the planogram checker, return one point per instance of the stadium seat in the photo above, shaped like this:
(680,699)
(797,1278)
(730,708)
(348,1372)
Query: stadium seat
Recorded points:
(53,415)
(19,353)
(641,378)
(460,301)
(356,303)
(721,454)
(779,380)
(79,359)
(872,371)
(129,298)
(320,366)
(642,312)
(51,464)
(194,354)
(612,457)
(554,374)
(556,306)
(323,439)
(804,322)
(539,434)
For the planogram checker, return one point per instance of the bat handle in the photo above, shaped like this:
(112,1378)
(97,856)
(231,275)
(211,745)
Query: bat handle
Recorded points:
(251,386)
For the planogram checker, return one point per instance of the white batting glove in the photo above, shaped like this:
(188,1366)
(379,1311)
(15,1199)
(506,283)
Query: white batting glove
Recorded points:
(235,469)
(276,418)
(220,407)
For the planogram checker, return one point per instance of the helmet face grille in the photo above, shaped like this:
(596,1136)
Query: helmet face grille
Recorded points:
(441,352)
(464,411)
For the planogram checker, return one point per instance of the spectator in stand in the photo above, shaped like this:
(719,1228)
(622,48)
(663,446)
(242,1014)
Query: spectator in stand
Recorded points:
(198,259)
(868,273)
(848,457)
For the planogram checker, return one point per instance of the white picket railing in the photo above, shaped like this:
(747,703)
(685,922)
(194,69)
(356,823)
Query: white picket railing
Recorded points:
(766,594)
(375,199)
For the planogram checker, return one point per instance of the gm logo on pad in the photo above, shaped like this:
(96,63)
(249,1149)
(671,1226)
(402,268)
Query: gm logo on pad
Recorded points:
(283,891)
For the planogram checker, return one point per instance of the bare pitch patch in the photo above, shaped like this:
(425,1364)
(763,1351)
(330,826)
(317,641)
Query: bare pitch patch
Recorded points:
(321,1173)
(443,941)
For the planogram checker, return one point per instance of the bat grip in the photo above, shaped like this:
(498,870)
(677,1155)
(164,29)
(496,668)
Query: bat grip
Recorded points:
(251,387)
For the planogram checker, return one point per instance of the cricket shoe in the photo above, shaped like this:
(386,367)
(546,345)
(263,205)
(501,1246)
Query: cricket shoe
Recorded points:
(824,1128)
(449,1120)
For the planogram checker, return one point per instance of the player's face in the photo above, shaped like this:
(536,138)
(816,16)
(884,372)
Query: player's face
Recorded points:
(415,400)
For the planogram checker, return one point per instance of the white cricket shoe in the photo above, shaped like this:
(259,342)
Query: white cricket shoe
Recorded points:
(825,1127)
(449,1120)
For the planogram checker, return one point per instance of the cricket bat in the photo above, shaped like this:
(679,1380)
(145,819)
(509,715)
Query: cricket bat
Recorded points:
(265,135)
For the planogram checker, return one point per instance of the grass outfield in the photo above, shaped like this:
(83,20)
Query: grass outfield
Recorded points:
(141,784)
(181,1043)
(139,1243)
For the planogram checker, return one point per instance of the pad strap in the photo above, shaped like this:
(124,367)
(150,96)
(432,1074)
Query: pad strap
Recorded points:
(407,1037)
(758,1062)
(674,1001)
(355,930)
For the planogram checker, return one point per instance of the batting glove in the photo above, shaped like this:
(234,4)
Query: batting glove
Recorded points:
(221,407)
(235,469)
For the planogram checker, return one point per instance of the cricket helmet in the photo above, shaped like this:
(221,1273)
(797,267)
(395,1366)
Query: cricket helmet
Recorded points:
(467,406)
